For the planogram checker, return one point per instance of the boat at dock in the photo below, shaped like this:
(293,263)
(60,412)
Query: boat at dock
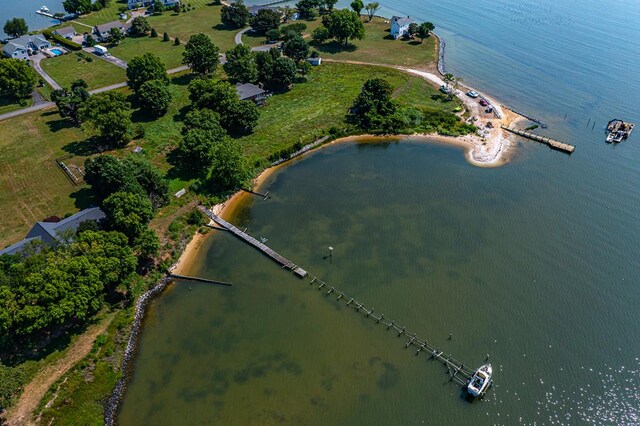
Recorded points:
(618,131)
(480,381)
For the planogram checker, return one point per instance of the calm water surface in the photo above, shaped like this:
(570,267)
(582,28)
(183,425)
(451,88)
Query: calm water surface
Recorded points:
(27,9)
(534,263)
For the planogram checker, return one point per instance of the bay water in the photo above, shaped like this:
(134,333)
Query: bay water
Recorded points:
(534,264)
(27,9)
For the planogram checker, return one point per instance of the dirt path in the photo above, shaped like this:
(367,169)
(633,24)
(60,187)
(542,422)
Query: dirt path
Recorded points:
(22,413)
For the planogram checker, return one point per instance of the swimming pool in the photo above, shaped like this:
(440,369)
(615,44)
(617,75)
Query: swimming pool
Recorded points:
(56,51)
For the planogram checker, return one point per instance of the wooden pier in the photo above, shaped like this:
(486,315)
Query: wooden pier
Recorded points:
(285,263)
(198,279)
(459,372)
(554,144)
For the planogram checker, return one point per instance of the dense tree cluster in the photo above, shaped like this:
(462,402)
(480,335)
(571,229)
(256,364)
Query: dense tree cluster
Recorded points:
(77,6)
(265,20)
(16,27)
(374,105)
(241,65)
(201,133)
(61,284)
(201,55)
(17,79)
(343,25)
(70,100)
(311,8)
(235,15)
(148,78)
(110,114)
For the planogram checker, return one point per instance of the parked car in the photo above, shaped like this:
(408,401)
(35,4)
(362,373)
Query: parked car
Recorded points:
(472,94)
(444,89)
(484,103)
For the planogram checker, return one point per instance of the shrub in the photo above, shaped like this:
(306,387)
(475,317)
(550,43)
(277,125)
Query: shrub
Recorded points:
(176,42)
(154,33)
(165,37)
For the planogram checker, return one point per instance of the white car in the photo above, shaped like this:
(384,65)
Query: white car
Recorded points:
(472,94)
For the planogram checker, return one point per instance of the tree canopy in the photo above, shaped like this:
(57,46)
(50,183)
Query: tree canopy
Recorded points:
(296,48)
(17,78)
(155,97)
(141,69)
(373,105)
(344,25)
(16,27)
(230,168)
(357,6)
(235,15)
(424,30)
(265,20)
(241,65)
(128,213)
(110,114)
(70,100)
(115,36)
(77,6)
(140,26)
(372,8)
(201,54)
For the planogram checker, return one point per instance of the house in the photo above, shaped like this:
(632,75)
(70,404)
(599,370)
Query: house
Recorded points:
(251,92)
(50,233)
(22,47)
(134,4)
(66,32)
(400,26)
(102,31)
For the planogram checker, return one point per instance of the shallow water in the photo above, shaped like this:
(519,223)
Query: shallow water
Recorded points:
(27,9)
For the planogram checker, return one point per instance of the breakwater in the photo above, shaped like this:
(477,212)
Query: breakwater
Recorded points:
(111,410)
(442,45)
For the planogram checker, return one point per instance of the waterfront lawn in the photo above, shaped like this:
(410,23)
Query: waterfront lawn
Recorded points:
(379,47)
(108,14)
(310,109)
(170,54)
(67,68)
(205,18)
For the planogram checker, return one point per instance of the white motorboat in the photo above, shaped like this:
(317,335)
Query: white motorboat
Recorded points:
(480,381)
(45,9)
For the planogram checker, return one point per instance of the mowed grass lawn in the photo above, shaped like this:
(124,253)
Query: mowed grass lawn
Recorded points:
(67,68)
(170,54)
(8,104)
(204,18)
(32,186)
(310,109)
(379,47)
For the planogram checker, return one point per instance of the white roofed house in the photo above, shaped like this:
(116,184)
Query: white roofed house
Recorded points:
(22,47)
(400,26)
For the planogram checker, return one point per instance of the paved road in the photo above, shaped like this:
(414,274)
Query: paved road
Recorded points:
(107,57)
(239,35)
(35,61)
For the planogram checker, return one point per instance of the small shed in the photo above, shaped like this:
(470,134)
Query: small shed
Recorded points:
(99,50)
(315,61)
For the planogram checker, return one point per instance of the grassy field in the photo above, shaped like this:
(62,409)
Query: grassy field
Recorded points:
(70,67)
(108,14)
(135,46)
(8,104)
(32,187)
(379,47)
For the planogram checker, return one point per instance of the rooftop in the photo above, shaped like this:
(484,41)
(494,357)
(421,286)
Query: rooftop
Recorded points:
(248,90)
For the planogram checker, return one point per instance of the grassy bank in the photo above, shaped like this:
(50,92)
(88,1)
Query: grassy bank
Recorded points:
(96,72)
(170,54)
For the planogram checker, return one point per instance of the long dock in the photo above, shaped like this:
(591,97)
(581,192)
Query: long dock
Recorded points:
(459,372)
(555,144)
(198,279)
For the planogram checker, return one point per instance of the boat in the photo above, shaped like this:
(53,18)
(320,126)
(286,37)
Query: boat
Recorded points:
(480,381)
(45,9)
(618,130)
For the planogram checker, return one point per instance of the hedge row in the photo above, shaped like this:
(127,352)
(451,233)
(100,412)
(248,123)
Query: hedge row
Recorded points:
(48,33)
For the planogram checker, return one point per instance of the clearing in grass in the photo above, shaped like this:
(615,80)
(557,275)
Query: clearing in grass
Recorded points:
(96,72)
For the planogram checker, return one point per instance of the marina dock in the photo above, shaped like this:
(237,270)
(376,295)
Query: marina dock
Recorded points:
(554,144)
(459,372)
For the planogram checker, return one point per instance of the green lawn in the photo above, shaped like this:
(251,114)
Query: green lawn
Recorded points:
(253,39)
(67,68)
(108,14)
(203,19)
(309,110)
(379,47)
(170,54)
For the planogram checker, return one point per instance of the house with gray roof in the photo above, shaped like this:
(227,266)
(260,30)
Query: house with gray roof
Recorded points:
(400,26)
(66,32)
(50,233)
(102,31)
(251,92)
(22,47)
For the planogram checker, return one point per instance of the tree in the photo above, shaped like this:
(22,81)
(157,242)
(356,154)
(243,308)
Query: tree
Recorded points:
(150,179)
(373,105)
(272,35)
(196,150)
(328,5)
(424,30)
(77,6)
(357,6)
(229,169)
(236,15)
(155,97)
(287,13)
(147,245)
(241,65)
(372,9)
(204,119)
(140,26)
(108,174)
(307,8)
(128,213)
(165,37)
(201,54)
(177,8)
(154,33)
(69,101)
(413,29)
(241,117)
(297,28)
(344,25)
(296,48)
(141,69)
(17,78)
(115,36)
(320,35)
(16,27)
(176,42)
(265,20)
(90,40)
(110,114)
